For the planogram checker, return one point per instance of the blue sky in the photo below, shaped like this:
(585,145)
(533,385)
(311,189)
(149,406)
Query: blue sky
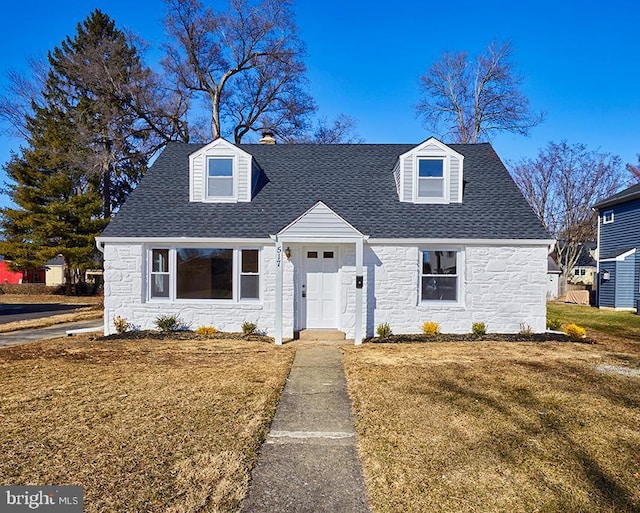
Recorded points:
(580,60)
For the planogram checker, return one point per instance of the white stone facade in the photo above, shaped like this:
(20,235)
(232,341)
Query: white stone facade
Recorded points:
(500,285)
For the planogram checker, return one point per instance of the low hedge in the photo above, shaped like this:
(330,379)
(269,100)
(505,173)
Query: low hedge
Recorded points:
(30,289)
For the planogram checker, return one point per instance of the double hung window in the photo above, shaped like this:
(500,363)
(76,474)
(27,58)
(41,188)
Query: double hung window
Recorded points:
(250,274)
(431,178)
(439,278)
(220,177)
(159,275)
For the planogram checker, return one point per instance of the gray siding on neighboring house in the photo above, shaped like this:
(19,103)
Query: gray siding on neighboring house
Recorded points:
(624,282)
(624,232)
(636,282)
(607,289)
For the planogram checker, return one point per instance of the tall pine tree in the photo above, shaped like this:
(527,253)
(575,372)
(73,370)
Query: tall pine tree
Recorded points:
(57,209)
(89,140)
(97,76)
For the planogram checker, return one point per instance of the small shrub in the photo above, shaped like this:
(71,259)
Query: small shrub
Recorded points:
(431,328)
(249,328)
(121,324)
(206,331)
(167,323)
(575,332)
(525,329)
(554,324)
(479,329)
(383,330)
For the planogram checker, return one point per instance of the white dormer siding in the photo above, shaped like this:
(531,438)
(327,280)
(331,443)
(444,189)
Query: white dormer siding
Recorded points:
(221,173)
(432,172)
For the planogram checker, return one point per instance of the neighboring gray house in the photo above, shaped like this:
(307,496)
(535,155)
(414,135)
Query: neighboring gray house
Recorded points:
(618,243)
(585,268)
(344,237)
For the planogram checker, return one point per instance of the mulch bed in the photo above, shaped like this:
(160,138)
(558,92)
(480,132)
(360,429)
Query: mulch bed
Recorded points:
(183,335)
(393,339)
(469,337)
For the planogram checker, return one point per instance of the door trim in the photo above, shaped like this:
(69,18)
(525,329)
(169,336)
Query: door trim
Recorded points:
(303,278)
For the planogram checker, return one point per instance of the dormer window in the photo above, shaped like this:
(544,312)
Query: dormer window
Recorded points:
(220,177)
(430,173)
(223,173)
(430,178)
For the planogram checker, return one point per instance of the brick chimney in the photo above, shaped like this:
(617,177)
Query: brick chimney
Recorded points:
(267,137)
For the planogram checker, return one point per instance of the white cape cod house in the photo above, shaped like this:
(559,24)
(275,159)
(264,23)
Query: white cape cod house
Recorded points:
(344,237)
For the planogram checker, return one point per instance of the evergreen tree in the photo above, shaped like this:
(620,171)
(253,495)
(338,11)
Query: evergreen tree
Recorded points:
(99,116)
(58,210)
(95,76)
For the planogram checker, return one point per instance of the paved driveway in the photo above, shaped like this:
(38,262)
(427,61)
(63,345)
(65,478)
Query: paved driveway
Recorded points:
(58,330)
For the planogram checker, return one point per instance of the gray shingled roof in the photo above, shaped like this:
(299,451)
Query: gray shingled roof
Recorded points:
(632,193)
(355,180)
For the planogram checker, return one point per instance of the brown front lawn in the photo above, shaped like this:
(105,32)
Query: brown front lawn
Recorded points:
(142,425)
(489,427)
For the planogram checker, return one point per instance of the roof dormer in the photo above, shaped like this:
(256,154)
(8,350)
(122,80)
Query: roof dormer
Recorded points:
(430,173)
(221,173)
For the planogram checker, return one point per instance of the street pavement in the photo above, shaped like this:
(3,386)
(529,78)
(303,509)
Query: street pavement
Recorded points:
(12,312)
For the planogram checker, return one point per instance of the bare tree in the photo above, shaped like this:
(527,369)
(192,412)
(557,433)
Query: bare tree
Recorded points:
(246,62)
(561,184)
(471,99)
(21,94)
(122,111)
(271,97)
(635,170)
(342,130)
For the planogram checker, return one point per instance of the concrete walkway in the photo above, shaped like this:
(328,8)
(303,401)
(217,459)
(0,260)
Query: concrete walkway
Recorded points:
(309,462)
(13,338)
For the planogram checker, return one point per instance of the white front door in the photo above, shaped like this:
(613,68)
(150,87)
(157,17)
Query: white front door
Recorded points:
(320,287)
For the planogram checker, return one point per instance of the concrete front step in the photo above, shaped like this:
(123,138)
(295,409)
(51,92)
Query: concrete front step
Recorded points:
(321,334)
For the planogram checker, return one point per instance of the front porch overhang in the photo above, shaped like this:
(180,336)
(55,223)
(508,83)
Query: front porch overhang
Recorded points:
(320,225)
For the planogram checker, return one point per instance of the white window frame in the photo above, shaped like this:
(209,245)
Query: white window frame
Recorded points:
(446,174)
(241,274)
(459,277)
(173,274)
(234,179)
(604,217)
(151,273)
